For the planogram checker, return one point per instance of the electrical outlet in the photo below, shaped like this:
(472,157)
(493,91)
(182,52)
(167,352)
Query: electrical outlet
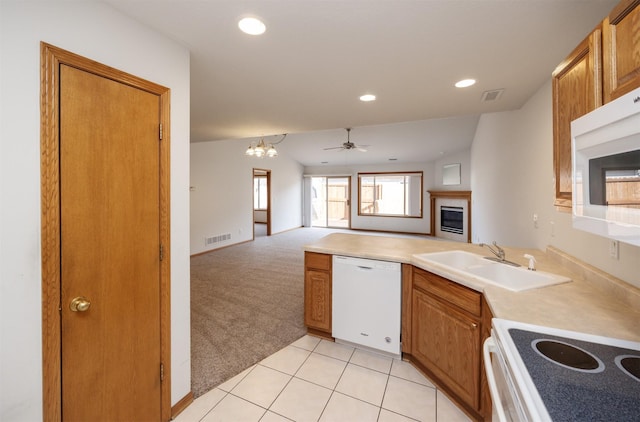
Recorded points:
(535,221)
(614,249)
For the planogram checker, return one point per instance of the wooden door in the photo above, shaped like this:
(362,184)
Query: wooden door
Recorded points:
(112,287)
(577,90)
(109,150)
(447,342)
(621,50)
(317,291)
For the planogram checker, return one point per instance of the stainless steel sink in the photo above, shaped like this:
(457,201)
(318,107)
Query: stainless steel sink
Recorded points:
(474,266)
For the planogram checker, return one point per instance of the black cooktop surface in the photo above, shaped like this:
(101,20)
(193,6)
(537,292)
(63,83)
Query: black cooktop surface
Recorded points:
(579,380)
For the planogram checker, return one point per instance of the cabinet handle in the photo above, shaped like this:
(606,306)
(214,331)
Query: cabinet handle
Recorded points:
(474,325)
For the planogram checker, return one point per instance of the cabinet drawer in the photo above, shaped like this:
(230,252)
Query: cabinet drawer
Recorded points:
(463,297)
(319,261)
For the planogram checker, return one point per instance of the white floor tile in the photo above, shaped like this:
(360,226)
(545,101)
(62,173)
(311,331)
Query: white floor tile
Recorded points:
(407,371)
(410,399)
(201,406)
(301,401)
(322,370)
(235,409)
(387,416)
(362,383)
(344,408)
(314,378)
(371,360)
(287,360)
(232,382)
(307,342)
(334,350)
(261,386)
(447,411)
(269,416)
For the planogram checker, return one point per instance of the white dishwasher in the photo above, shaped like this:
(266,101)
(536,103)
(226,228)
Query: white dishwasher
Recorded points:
(367,296)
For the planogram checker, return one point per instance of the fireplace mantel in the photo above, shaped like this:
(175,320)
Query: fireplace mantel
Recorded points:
(450,194)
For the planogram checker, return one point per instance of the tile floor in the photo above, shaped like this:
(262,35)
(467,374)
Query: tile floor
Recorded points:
(318,380)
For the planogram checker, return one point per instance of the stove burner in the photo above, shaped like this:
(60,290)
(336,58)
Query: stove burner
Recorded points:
(630,365)
(567,355)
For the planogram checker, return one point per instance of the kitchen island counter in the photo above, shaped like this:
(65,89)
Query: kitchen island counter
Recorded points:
(593,302)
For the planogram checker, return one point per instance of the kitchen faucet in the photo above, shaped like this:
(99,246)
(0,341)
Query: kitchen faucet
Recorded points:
(499,252)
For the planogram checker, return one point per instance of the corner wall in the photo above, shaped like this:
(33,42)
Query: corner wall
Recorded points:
(222,193)
(512,179)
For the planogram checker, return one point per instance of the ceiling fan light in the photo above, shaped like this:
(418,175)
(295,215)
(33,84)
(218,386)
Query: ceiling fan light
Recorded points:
(367,97)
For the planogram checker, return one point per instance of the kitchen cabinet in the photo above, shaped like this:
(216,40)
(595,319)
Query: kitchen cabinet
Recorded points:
(603,67)
(317,293)
(621,50)
(448,326)
(577,90)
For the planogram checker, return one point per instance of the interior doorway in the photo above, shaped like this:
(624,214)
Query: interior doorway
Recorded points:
(261,202)
(330,201)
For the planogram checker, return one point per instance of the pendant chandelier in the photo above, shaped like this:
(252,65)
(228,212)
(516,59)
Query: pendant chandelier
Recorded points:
(261,149)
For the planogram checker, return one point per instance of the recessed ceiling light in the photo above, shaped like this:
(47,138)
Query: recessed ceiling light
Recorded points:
(367,97)
(465,83)
(252,26)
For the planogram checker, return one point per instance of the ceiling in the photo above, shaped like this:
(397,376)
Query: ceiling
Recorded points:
(304,75)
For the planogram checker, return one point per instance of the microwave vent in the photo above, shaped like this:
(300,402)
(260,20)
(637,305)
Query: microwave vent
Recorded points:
(492,95)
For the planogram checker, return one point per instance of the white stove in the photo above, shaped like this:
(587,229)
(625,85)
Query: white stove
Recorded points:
(546,374)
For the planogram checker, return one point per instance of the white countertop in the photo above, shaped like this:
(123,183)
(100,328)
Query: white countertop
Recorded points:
(593,302)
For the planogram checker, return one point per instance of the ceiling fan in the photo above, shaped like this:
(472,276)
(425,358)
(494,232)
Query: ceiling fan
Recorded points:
(347,146)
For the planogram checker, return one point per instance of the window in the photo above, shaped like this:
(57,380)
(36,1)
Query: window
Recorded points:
(390,194)
(260,192)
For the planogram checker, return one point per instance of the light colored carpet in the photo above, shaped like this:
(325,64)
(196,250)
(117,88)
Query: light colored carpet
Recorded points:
(246,304)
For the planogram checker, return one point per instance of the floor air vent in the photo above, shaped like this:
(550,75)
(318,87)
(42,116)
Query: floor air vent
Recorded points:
(215,239)
(492,95)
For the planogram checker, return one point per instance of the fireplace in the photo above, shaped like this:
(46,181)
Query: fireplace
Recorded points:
(451,215)
(452,219)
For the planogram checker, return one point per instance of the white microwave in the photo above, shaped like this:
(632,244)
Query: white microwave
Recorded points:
(605,150)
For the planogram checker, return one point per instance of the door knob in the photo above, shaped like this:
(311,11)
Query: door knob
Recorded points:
(79,304)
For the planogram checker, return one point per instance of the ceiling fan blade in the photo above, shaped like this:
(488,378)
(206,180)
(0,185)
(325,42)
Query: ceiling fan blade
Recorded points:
(327,149)
(361,149)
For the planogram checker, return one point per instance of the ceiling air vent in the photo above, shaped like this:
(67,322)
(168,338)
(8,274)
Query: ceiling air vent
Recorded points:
(491,95)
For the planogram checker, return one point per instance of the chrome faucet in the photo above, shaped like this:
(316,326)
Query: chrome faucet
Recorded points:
(499,252)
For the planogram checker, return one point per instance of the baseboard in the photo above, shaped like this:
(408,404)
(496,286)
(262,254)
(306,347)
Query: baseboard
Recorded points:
(182,404)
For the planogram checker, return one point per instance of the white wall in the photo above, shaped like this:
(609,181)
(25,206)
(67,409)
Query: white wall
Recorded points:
(391,224)
(222,193)
(98,32)
(512,179)
(460,157)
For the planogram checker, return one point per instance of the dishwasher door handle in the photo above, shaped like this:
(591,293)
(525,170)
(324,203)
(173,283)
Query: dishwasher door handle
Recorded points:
(361,267)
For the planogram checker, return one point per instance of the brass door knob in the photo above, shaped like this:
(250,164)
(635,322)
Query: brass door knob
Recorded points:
(79,304)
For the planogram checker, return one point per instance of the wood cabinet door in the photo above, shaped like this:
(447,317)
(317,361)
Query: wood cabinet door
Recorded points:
(447,342)
(577,90)
(621,50)
(317,299)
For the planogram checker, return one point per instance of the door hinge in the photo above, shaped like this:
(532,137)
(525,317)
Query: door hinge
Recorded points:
(161,131)
(161,372)
(161,252)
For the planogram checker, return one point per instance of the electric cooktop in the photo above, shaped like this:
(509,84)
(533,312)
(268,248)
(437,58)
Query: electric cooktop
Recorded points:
(577,376)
